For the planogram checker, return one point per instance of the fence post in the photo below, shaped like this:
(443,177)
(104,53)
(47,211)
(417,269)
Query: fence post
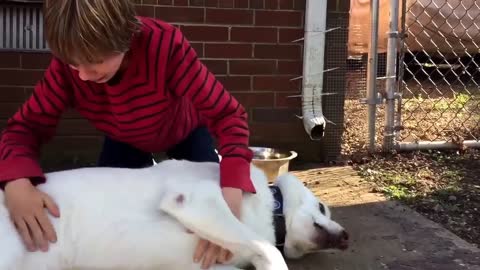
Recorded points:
(372,98)
(391,72)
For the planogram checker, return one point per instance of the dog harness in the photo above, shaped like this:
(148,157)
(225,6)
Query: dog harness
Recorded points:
(278,217)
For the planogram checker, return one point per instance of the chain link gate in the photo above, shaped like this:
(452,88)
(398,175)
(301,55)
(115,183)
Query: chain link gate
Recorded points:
(440,74)
(430,98)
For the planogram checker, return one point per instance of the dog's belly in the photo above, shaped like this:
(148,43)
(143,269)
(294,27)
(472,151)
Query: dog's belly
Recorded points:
(132,243)
(114,240)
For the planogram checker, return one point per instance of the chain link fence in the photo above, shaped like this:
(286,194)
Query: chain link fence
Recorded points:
(439,74)
(417,86)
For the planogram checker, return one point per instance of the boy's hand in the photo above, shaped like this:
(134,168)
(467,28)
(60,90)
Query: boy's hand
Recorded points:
(26,205)
(210,252)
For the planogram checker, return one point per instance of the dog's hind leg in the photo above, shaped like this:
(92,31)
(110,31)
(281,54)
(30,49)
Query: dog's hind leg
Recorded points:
(201,208)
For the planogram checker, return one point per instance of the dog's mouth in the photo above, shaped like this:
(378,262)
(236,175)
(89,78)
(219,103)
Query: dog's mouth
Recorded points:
(327,240)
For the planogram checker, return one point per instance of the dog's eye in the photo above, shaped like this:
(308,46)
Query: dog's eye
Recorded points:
(322,208)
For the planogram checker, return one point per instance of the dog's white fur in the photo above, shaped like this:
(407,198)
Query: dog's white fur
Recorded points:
(114,218)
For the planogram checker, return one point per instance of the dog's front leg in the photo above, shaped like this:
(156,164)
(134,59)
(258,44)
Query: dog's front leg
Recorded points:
(201,208)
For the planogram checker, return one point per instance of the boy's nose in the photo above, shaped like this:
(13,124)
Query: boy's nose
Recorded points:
(86,75)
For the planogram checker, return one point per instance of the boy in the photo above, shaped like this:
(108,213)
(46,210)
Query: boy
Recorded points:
(140,82)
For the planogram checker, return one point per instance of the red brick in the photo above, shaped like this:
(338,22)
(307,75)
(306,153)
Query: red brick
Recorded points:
(36,60)
(255,99)
(271,4)
(275,83)
(278,18)
(226,3)
(198,47)
(241,3)
(200,3)
(180,2)
(146,11)
(300,4)
(289,67)
(205,33)
(211,3)
(12,94)
(7,110)
(236,83)
(229,16)
(9,60)
(286,4)
(216,66)
(280,115)
(246,67)
(283,99)
(151,2)
(180,14)
(222,50)
(20,77)
(277,51)
(253,34)
(287,35)
(256,4)
(279,132)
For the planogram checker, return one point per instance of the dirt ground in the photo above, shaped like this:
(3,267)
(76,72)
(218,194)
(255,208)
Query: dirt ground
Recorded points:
(443,186)
(384,234)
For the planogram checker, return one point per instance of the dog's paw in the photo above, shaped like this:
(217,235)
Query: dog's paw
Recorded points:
(269,258)
(272,265)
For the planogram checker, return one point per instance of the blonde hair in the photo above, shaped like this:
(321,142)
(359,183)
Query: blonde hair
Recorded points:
(85,31)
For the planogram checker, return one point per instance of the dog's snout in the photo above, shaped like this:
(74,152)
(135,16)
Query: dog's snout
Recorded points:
(342,242)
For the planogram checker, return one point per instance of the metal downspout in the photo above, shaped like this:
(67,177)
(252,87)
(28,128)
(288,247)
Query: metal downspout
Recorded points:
(313,68)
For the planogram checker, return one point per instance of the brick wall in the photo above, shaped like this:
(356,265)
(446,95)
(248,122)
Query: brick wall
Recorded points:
(246,43)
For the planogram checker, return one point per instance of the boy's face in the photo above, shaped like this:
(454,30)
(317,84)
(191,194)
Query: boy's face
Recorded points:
(100,72)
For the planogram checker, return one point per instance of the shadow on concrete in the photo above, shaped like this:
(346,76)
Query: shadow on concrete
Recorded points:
(384,234)
(388,235)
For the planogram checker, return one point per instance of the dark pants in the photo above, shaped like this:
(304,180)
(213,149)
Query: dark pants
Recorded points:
(198,146)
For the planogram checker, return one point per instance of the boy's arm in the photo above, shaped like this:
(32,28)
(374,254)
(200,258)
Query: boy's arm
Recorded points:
(227,118)
(31,126)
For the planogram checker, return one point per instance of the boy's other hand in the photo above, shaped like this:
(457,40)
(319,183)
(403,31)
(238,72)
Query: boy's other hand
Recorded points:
(210,253)
(26,206)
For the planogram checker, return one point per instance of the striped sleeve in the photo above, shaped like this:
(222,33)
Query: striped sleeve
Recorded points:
(227,118)
(31,126)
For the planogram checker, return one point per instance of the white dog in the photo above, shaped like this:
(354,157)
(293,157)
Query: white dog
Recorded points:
(115,218)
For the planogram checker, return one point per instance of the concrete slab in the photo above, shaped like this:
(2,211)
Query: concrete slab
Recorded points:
(385,234)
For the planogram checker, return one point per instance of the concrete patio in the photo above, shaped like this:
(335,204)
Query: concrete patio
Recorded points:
(384,234)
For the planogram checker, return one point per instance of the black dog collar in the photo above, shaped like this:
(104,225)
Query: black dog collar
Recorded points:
(278,217)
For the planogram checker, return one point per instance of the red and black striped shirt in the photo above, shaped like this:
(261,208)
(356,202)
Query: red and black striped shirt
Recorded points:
(163,95)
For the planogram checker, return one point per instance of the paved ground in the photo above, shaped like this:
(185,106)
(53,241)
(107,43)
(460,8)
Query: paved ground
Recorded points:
(385,235)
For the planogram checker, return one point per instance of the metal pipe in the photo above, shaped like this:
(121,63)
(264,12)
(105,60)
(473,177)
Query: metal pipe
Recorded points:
(372,73)
(389,136)
(313,68)
(401,68)
(437,145)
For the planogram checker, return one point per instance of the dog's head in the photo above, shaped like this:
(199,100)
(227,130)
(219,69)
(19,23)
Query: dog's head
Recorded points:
(309,227)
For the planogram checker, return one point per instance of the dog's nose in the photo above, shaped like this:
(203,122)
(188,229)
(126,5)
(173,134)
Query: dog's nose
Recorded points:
(342,242)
